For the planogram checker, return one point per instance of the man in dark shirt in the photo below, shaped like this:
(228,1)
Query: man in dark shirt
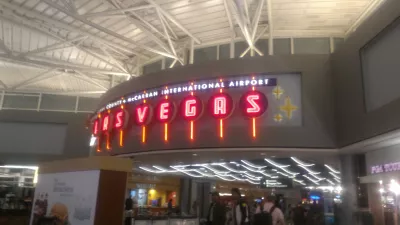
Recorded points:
(216,211)
(298,214)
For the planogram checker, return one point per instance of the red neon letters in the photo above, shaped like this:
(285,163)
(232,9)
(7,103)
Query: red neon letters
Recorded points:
(95,130)
(165,111)
(221,105)
(121,119)
(253,104)
(191,107)
(143,114)
(106,125)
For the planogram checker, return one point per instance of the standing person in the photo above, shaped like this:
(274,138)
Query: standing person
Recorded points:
(216,211)
(269,207)
(299,215)
(170,206)
(240,208)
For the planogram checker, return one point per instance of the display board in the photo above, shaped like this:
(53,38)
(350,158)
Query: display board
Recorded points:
(70,196)
(251,102)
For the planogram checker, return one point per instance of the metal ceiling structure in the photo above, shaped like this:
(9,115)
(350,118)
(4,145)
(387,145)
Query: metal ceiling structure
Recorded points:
(88,46)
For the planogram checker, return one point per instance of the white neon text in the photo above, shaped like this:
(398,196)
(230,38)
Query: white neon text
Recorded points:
(255,108)
(220,106)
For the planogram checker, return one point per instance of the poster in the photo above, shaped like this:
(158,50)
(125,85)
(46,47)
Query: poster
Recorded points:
(70,197)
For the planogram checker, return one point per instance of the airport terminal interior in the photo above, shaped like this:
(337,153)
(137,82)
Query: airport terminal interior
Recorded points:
(199,112)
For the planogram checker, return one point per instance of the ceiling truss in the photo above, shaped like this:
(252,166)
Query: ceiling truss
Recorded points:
(81,47)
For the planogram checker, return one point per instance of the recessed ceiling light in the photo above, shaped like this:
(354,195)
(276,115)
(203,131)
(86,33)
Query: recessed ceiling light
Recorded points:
(273,156)
(262,154)
(194,154)
(221,160)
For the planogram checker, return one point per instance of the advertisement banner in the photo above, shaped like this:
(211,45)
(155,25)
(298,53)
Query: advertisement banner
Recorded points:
(65,198)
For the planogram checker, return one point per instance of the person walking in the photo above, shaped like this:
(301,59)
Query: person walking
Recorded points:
(240,210)
(269,207)
(216,211)
(299,215)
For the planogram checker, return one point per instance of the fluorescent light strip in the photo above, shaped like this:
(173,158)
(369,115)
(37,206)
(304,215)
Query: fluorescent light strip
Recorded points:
(331,169)
(19,167)
(331,182)
(212,169)
(338,180)
(301,163)
(247,173)
(276,164)
(299,181)
(251,169)
(232,170)
(334,175)
(308,170)
(252,165)
(317,177)
(282,167)
(314,181)
(192,175)
(252,178)
(152,171)
(223,178)
(252,182)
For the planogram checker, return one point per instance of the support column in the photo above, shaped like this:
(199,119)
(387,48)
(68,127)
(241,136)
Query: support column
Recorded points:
(374,197)
(349,194)
(185,195)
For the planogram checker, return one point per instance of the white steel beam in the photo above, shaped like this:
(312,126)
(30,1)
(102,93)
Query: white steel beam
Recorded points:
(12,7)
(138,24)
(103,29)
(56,65)
(173,20)
(56,46)
(88,79)
(256,19)
(228,15)
(171,45)
(270,28)
(116,11)
(41,76)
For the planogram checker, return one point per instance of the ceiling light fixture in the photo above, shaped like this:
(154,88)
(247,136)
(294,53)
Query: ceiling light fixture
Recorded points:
(301,163)
(308,170)
(331,169)
(334,175)
(252,165)
(276,164)
(310,179)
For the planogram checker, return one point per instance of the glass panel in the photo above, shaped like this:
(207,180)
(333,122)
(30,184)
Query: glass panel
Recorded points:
(311,46)
(262,45)
(240,47)
(152,67)
(205,54)
(282,46)
(87,104)
(337,42)
(224,51)
(21,101)
(58,102)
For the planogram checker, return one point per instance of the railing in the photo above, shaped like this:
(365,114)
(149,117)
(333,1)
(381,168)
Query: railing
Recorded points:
(47,102)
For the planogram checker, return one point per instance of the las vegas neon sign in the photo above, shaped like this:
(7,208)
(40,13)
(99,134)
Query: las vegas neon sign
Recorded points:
(196,86)
(221,105)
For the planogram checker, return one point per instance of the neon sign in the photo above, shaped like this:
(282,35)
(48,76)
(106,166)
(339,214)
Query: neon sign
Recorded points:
(220,106)
(135,110)
(197,86)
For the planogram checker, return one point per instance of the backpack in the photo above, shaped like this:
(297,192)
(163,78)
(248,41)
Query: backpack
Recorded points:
(264,218)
